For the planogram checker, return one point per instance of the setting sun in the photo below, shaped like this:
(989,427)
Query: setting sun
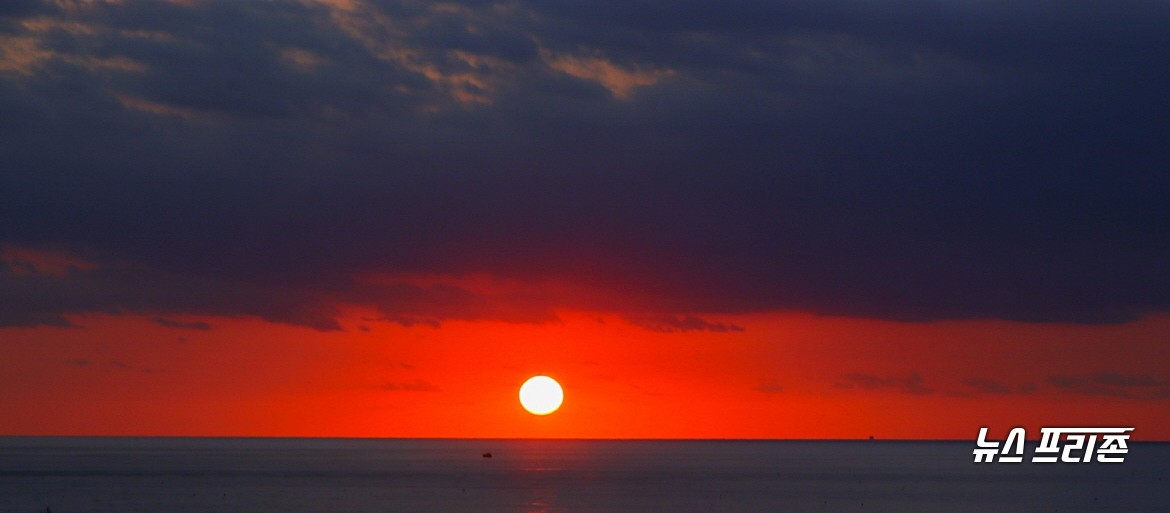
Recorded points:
(541,395)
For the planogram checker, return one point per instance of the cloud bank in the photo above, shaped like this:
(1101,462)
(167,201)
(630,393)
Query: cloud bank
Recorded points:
(906,160)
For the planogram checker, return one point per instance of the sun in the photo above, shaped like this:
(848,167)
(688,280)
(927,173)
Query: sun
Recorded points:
(541,395)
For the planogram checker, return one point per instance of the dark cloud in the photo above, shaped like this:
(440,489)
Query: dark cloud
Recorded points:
(409,305)
(39,298)
(409,321)
(1112,384)
(909,384)
(988,386)
(171,323)
(21,8)
(904,160)
(672,324)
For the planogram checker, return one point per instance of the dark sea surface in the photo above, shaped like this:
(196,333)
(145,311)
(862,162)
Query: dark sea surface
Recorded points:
(189,475)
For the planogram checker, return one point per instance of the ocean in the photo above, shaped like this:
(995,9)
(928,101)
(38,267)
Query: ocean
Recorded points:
(259,475)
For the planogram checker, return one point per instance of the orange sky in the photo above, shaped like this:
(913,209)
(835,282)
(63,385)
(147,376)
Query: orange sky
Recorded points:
(783,376)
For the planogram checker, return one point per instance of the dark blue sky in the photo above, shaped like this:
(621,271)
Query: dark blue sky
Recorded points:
(913,160)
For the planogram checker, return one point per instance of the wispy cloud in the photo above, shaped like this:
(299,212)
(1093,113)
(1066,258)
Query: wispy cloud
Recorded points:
(909,384)
(1113,384)
(679,324)
(193,325)
(989,386)
(621,82)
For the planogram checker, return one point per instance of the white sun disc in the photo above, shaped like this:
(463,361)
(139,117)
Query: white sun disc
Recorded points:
(541,395)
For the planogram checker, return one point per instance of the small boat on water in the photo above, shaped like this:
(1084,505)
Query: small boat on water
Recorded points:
(487,455)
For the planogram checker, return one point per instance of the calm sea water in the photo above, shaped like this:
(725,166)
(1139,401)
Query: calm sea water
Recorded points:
(185,475)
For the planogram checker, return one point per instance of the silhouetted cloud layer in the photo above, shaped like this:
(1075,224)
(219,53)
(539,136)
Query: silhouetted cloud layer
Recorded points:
(1114,384)
(171,323)
(909,384)
(671,324)
(905,160)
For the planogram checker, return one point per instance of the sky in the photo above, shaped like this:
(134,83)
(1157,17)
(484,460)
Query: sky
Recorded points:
(734,219)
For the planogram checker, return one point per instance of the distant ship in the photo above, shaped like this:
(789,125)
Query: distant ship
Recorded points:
(487,455)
